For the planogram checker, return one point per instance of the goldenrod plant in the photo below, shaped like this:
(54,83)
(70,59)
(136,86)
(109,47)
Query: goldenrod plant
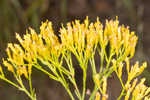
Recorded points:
(114,43)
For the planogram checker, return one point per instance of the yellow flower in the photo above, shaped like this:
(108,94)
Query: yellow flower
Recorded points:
(46,31)
(128,94)
(111,31)
(104,85)
(120,69)
(117,68)
(19,38)
(133,41)
(114,64)
(98,96)
(97,80)
(17,54)
(8,65)
(147,98)
(105,97)
(141,91)
(129,87)
(1,70)
(52,45)
(22,70)
(136,70)
(127,64)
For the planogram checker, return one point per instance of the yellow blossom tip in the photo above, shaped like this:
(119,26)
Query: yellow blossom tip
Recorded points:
(8,65)
(1,69)
(144,64)
(98,96)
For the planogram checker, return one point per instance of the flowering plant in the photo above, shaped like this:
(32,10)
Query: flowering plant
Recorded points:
(47,53)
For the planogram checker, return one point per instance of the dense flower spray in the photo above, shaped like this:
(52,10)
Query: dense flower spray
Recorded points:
(47,52)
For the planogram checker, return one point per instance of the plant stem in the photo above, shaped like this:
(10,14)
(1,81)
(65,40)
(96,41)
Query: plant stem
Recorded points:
(108,63)
(24,89)
(67,89)
(84,84)
(43,70)
(30,83)
(102,60)
(92,61)
(30,96)
(10,82)
(121,94)
(93,93)
(68,59)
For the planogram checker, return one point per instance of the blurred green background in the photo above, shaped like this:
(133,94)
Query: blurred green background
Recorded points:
(18,15)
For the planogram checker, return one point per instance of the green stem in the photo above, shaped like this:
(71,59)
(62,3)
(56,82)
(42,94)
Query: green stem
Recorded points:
(95,90)
(68,60)
(43,70)
(71,69)
(30,96)
(62,68)
(24,89)
(59,78)
(102,60)
(83,65)
(30,85)
(78,92)
(76,88)
(64,83)
(93,93)
(62,76)
(67,89)
(122,87)
(92,61)
(10,82)
(63,79)
(84,84)
(122,83)
(108,63)
(121,94)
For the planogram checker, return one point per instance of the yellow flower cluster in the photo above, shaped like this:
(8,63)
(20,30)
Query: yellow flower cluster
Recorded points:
(84,37)
(120,37)
(33,46)
(139,91)
(81,39)
(135,70)
(102,89)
